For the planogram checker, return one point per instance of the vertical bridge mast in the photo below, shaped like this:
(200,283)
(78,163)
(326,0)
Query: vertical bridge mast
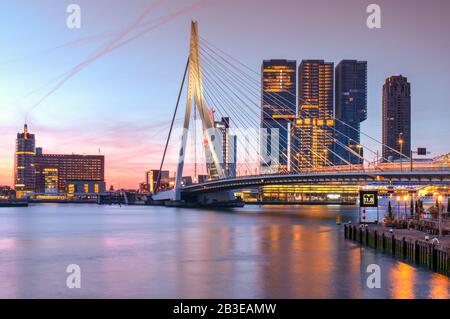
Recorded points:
(195,94)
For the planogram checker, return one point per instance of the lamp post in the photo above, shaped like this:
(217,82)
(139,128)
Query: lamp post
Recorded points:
(440,200)
(400,142)
(405,200)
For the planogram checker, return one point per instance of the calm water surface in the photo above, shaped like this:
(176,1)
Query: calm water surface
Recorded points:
(156,252)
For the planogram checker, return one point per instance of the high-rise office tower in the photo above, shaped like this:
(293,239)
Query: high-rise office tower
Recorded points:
(396,118)
(227,153)
(24,170)
(311,132)
(278,108)
(350,110)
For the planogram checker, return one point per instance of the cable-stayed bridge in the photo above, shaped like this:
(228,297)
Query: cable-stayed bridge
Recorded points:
(217,83)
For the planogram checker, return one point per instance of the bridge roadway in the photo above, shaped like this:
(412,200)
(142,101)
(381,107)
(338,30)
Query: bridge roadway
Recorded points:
(348,178)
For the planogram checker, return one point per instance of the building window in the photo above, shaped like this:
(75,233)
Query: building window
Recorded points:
(96,188)
(71,188)
(86,188)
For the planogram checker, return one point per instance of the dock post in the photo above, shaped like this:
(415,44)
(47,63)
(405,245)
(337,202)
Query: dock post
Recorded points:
(433,257)
(375,239)
(416,251)
(404,247)
(393,244)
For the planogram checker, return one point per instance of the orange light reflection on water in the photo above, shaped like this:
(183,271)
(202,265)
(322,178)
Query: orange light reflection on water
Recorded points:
(404,277)
(439,287)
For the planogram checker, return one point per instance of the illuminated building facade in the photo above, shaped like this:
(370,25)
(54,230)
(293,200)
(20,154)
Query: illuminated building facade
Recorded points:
(350,110)
(329,193)
(151,177)
(6,192)
(229,150)
(311,132)
(85,187)
(278,108)
(396,117)
(53,171)
(24,166)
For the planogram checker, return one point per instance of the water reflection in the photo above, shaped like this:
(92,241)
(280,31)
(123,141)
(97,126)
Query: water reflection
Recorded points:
(404,284)
(144,252)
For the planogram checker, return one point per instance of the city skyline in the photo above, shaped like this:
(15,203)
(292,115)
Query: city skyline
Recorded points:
(82,116)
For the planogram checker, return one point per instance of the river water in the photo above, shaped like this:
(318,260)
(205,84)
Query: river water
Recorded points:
(157,252)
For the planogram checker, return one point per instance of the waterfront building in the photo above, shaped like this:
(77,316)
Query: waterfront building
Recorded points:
(311,132)
(151,178)
(85,187)
(53,171)
(24,166)
(227,154)
(350,110)
(301,193)
(278,108)
(6,192)
(396,118)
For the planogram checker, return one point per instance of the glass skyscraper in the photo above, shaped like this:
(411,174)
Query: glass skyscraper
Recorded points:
(228,151)
(350,110)
(278,108)
(311,133)
(396,118)
(24,170)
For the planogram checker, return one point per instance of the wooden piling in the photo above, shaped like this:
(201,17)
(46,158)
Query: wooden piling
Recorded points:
(424,253)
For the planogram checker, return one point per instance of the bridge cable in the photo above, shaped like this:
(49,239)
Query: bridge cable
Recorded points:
(171,127)
(215,105)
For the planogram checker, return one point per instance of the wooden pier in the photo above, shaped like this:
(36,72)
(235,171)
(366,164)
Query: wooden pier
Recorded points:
(409,245)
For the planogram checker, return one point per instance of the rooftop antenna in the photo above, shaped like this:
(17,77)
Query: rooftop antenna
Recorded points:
(25,127)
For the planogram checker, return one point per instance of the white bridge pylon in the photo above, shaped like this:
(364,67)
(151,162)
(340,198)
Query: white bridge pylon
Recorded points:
(195,96)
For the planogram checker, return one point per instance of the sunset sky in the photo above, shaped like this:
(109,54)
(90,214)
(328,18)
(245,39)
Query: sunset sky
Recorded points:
(122,102)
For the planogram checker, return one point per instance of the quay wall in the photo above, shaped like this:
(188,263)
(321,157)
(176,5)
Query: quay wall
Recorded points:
(425,253)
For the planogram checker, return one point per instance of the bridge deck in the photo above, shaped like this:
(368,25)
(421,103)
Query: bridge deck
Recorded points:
(419,178)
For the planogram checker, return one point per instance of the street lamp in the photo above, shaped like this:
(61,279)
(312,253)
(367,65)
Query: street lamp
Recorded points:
(405,200)
(400,142)
(440,200)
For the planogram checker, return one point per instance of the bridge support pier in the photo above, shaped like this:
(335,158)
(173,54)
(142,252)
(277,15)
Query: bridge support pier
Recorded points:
(211,198)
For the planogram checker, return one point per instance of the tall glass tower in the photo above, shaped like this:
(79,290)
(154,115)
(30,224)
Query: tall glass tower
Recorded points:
(24,170)
(312,134)
(396,118)
(278,107)
(350,110)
